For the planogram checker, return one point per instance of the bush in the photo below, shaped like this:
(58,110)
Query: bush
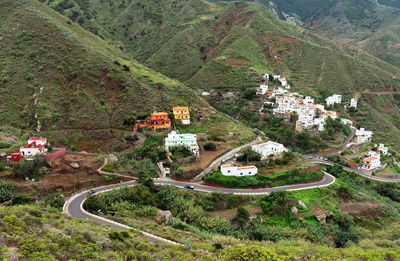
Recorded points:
(55,200)
(29,168)
(2,167)
(258,180)
(4,144)
(210,146)
(19,199)
(6,191)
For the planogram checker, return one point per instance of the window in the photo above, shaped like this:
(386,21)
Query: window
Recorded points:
(241,173)
(229,171)
(249,172)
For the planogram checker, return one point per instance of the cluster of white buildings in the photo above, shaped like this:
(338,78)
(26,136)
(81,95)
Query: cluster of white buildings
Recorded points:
(384,150)
(283,80)
(268,148)
(187,140)
(309,114)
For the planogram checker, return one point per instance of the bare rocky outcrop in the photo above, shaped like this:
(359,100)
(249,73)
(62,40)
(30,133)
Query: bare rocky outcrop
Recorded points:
(164,217)
(302,204)
(294,210)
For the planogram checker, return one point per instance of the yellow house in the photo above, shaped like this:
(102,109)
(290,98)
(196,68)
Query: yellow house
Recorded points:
(183,114)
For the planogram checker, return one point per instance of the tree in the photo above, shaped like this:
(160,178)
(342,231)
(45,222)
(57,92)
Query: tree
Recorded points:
(344,192)
(210,146)
(145,179)
(270,77)
(29,168)
(249,94)
(278,203)
(242,216)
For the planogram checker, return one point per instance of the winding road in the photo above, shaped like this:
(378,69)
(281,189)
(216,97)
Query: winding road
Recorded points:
(74,205)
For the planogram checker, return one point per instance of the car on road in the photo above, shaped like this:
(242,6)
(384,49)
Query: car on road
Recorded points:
(91,192)
(309,157)
(189,187)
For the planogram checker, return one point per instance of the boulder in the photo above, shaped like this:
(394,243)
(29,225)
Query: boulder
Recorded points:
(321,218)
(112,158)
(75,165)
(294,210)
(164,217)
(301,204)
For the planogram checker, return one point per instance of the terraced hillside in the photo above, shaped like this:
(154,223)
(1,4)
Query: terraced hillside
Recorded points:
(228,46)
(58,78)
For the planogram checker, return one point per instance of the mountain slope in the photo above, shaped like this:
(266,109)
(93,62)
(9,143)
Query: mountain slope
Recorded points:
(56,76)
(228,47)
(368,24)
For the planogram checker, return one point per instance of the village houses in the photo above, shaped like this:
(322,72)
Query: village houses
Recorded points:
(262,90)
(373,161)
(187,140)
(182,114)
(332,100)
(35,146)
(268,148)
(363,136)
(156,121)
(230,170)
(383,149)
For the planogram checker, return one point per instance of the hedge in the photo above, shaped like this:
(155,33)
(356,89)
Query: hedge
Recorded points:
(258,180)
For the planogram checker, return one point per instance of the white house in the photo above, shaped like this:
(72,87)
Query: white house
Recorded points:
(308,100)
(35,146)
(353,103)
(205,94)
(372,162)
(230,170)
(268,148)
(262,90)
(346,121)
(383,149)
(187,140)
(332,100)
(363,136)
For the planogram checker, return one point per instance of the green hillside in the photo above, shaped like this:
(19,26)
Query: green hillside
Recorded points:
(368,24)
(228,47)
(60,79)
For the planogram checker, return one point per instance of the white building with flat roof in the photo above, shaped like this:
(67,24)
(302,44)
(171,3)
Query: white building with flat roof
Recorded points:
(363,136)
(268,148)
(187,140)
(332,100)
(262,90)
(230,170)
(353,103)
(372,162)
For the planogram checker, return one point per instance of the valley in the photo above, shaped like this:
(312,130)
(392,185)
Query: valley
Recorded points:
(199,130)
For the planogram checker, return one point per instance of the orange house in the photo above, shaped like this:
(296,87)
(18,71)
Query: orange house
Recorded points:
(156,121)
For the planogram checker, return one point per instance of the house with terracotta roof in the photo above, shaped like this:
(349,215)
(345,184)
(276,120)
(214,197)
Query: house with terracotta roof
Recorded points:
(156,121)
(230,170)
(372,162)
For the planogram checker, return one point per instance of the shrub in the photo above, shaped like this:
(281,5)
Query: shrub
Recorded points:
(6,191)
(55,200)
(19,199)
(4,144)
(30,168)
(210,146)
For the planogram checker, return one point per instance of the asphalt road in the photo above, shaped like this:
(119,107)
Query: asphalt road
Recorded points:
(359,172)
(73,206)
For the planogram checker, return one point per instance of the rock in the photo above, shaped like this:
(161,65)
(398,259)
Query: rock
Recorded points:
(112,158)
(301,204)
(321,218)
(294,210)
(164,217)
(75,165)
